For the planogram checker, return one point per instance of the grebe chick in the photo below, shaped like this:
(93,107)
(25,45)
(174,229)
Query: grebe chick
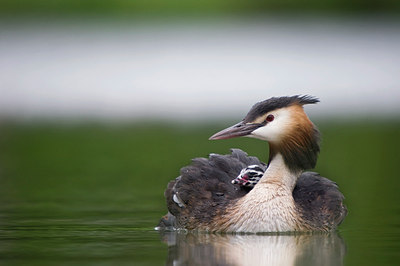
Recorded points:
(285,198)
(249,176)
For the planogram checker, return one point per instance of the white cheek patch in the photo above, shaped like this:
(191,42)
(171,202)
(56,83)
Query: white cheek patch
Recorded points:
(267,133)
(261,133)
(275,130)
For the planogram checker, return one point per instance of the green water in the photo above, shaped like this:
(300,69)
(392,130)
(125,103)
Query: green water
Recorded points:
(92,194)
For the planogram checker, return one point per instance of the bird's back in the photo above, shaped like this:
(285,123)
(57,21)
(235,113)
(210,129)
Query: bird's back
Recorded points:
(204,191)
(319,201)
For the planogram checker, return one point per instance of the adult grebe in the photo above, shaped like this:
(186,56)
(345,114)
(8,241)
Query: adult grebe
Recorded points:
(210,196)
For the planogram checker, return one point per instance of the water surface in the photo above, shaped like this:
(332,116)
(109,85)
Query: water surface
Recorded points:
(92,194)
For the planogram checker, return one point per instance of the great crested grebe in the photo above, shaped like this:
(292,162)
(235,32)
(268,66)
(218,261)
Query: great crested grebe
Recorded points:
(238,193)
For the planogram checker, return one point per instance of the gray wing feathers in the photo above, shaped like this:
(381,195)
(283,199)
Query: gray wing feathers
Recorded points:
(319,200)
(204,188)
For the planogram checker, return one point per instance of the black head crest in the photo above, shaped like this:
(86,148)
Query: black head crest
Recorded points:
(266,106)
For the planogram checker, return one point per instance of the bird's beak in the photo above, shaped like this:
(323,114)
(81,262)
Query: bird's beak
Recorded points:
(238,130)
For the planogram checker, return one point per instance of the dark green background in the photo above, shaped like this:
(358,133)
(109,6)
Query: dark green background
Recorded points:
(88,192)
(188,8)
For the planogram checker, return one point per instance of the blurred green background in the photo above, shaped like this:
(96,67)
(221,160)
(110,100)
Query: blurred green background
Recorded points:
(175,7)
(100,187)
(82,172)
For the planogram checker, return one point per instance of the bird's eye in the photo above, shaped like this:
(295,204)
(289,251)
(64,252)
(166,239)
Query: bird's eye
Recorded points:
(270,118)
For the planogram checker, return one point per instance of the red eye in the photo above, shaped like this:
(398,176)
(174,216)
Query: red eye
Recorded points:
(270,118)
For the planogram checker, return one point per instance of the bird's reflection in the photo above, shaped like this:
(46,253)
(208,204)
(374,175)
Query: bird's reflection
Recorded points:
(230,249)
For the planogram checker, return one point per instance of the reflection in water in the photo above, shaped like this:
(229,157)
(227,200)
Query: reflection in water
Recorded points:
(227,249)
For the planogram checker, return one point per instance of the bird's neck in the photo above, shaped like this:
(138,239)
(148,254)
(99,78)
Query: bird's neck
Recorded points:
(279,174)
(269,206)
(299,149)
(291,156)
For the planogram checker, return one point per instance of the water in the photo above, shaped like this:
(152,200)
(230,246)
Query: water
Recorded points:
(91,195)
(85,234)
